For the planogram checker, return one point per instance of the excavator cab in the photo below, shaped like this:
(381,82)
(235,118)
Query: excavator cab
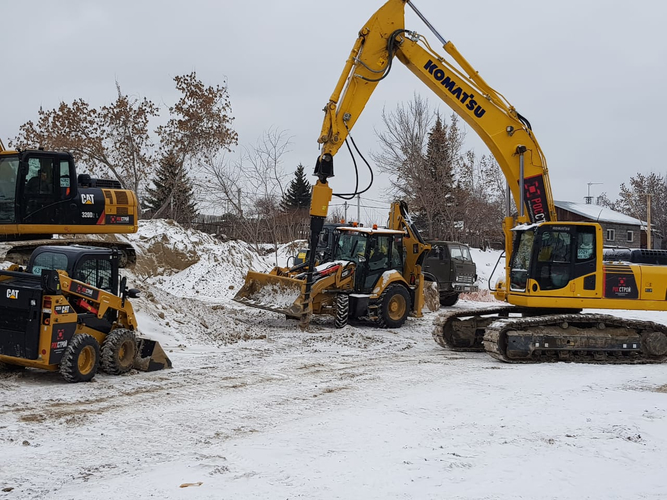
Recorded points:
(554,257)
(36,187)
(41,195)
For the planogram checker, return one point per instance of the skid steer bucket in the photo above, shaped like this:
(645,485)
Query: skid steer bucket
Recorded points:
(273,293)
(150,356)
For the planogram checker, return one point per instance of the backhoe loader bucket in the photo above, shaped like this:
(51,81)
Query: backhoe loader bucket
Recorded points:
(273,293)
(150,356)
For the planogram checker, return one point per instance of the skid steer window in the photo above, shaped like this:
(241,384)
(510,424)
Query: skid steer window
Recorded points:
(96,273)
(49,260)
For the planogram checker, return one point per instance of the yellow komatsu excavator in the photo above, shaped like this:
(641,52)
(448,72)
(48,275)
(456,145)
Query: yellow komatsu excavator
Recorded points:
(554,269)
(375,273)
(42,195)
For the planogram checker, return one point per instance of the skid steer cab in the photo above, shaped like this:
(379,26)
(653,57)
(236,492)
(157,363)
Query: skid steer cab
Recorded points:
(375,274)
(69,310)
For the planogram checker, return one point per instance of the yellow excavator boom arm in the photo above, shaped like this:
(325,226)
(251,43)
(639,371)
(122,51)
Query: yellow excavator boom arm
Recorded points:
(505,132)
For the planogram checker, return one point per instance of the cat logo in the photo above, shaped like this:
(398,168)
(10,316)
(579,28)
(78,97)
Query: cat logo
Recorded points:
(88,199)
(12,294)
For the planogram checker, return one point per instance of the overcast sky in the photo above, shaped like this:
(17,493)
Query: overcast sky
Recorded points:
(590,75)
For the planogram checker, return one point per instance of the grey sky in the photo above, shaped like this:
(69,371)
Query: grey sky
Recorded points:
(589,74)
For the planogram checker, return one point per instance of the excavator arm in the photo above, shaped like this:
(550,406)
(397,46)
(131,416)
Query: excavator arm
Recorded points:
(505,132)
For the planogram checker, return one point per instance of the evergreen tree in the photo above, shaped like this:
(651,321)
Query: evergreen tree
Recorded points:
(441,152)
(298,193)
(173,194)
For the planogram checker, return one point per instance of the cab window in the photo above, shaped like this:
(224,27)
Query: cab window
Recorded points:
(397,253)
(39,180)
(49,260)
(554,259)
(95,272)
(64,174)
(8,169)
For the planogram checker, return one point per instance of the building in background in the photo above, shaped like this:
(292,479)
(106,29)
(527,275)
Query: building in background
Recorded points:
(619,230)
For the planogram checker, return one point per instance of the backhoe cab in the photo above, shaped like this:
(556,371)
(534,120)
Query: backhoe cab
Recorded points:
(70,311)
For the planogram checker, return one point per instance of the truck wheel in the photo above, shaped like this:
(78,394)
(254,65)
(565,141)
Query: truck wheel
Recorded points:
(81,359)
(342,309)
(118,351)
(393,307)
(449,300)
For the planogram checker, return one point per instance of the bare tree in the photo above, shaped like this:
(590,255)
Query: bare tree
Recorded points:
(252,186)
(200,123)
(634,198)
(403,145)
(114,138)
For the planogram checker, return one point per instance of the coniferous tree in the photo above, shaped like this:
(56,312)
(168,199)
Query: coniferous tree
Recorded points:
(297,195)
(173,195)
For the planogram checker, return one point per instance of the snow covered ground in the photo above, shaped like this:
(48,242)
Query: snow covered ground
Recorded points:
(254,408)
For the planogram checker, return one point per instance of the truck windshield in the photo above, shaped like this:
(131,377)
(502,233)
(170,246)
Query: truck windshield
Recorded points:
(351,246)
(460,253)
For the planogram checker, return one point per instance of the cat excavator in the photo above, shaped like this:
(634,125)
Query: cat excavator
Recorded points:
(555,269)
(42,195)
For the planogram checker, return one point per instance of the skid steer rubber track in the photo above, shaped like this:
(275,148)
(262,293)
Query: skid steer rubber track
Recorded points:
(577,338)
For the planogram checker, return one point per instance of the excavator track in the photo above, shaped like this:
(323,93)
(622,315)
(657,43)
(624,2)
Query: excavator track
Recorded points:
(463,330)
(578,338)
(525,335)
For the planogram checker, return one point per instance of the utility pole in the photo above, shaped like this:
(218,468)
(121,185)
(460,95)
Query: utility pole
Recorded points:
(239,203)
(358,208)
(589,198)
(345,205)
(648,220)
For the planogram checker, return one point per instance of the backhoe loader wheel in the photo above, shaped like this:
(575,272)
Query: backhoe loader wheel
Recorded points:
(393,307)
(342,308)
(118,351)
(81,359)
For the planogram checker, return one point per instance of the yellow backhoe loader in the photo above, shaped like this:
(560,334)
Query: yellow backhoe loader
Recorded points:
(375,273)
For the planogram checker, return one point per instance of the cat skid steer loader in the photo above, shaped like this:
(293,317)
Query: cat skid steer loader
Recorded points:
(69,311)
(375,274)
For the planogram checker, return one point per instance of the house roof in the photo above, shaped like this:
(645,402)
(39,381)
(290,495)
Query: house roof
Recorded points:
(596,213)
